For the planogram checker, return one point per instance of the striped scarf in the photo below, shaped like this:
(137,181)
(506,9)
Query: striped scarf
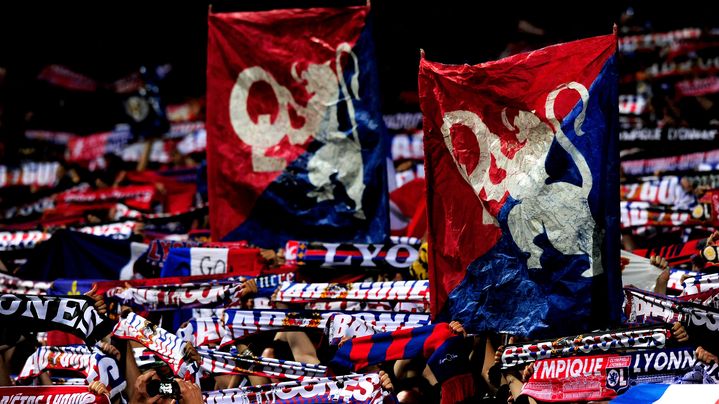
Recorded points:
(172,298)
(167,346)
(646,307)
(643,338)
(90,362)
(675,254)
(202,331)
(217,362)
(344,325)
(406,291)
(700,283)
(241,323)
(356,389)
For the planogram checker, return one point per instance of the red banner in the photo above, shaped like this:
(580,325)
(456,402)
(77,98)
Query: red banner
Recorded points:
(50,395)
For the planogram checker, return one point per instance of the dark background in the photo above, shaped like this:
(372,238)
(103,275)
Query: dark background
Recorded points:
(110,39)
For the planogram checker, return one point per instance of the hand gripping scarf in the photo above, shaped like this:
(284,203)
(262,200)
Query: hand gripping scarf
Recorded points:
(167,346)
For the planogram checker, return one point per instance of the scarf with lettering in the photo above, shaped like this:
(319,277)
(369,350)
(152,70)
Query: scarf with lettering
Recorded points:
(342,325)
(90,362)
(646,307)
(640,338)
(167,346)
(76,315)
(134,196)
(387,256)
(659,191)
(202,331)
(636,214)
(39,174)
(118,231)
(343,305)
(172,297)
(241,323)
(409,291)
(217,362)
(700,283)
(159,249)
(672,163)
(601,377)
(356,389)
(266,284)
(50,395)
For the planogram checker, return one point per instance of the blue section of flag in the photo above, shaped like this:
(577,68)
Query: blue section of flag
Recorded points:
(75,255)
(177,262)
(288,210)
(642,394)
(63,287)
(501,293)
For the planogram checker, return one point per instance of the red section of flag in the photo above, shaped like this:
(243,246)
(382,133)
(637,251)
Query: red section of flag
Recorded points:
(275,54)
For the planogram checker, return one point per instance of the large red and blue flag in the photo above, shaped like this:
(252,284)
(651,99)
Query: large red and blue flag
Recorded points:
(522,183)
(295,138)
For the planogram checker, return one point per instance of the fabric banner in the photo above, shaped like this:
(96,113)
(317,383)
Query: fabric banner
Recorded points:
(600,377)
(217,362)
(167,346)
(637,214)
(355,389)
(507,187)
(664,191)
(295,144)
(13,285)
(345,325)
(42,174)
(698,87)
(211,261)
(646,307)
(240,323)
(74,255)
(331,255)
(632,43)
(118,231)
(91,362)
(410,291)
(675,254)
(83,149)
(700,283)
(29,210)
(574,379)
(420,342)
(50,395)
(202,331)
(632,104)
(669,393)
(692,161)
(21,240)
(173,297)
(643,338)
(354,305)
(135,196)
(76,315)
(662,137)
(72,357)
(159,249)
(58,138)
